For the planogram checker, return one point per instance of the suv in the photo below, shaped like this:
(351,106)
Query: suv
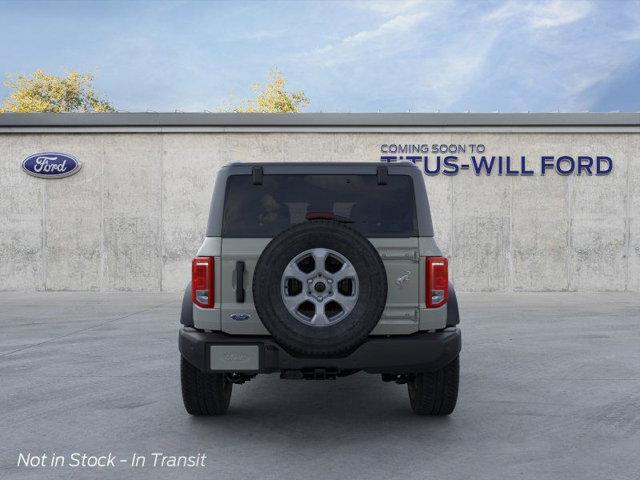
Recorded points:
(318,271)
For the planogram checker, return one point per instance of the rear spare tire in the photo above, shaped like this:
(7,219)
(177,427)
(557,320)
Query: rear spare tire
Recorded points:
(320,288)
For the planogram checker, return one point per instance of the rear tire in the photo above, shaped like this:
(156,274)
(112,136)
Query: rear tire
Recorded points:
(204,394)
(435,393)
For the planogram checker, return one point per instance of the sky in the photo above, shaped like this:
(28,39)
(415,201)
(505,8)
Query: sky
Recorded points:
(347,56)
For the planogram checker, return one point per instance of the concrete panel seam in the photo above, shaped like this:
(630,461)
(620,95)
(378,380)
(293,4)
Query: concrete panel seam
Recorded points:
(282,144)
(451,229)
(45,257)
(569,256)
(161,257)
(627,228)
(509,253)
(101,285)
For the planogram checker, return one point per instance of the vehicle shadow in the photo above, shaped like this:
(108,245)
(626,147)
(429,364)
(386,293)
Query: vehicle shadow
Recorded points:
(348,410)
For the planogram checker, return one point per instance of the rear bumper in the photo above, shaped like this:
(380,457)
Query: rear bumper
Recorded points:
(419,352)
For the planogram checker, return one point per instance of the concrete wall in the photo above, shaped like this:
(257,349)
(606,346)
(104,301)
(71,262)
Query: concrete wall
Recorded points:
(135,214)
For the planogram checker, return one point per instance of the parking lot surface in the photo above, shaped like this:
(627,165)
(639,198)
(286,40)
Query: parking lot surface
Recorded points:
(550,389)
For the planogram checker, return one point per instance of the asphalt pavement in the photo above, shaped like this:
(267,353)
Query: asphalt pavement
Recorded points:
(550,389)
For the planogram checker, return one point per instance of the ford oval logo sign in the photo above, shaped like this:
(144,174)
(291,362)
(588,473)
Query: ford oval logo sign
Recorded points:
(51,165)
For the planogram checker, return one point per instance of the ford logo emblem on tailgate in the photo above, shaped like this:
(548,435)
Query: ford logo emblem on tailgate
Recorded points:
(51,165)
(239,317)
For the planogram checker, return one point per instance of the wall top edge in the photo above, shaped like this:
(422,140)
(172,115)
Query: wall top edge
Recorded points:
(316,120)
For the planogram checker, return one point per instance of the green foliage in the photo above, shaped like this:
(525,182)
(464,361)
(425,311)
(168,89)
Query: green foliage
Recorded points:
(273,98)
(42,92)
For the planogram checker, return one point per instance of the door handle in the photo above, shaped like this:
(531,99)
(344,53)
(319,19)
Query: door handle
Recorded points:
(240,282)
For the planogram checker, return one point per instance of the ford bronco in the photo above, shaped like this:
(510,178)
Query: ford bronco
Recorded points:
(318,271)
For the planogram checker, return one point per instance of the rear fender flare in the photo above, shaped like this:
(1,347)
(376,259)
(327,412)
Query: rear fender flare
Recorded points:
(186,314)
(453,314)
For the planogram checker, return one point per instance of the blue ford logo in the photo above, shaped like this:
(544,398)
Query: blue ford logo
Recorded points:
(51,165)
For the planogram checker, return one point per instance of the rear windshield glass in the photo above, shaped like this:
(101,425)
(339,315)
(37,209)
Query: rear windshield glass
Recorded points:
(263,211)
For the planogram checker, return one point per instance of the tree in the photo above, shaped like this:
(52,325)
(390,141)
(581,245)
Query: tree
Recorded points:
(273,98)
(43,92)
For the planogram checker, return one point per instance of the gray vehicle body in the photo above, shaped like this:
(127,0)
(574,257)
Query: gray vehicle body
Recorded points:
(404,260)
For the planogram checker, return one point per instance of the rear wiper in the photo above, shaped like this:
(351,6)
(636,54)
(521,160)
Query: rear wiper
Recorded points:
(327,216)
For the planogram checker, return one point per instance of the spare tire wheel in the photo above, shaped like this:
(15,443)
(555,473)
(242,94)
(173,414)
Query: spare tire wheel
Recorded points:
(319,288)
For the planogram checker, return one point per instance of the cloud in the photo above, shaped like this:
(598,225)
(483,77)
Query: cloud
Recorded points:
(556,13)
(561,68)
(632,14)
(457,67)
(393,36)
(388,8)
(541,15)
(506,11)
(470,60)
(511,56)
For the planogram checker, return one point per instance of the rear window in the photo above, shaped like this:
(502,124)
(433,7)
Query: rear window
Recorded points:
(263,211)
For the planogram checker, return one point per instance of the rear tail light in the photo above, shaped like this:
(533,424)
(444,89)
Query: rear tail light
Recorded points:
(437,282)
(202,293)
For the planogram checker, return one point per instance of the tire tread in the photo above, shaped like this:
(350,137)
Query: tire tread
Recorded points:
(204,394)
(435,393)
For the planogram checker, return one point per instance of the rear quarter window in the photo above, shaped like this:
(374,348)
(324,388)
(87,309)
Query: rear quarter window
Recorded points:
(263,211)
